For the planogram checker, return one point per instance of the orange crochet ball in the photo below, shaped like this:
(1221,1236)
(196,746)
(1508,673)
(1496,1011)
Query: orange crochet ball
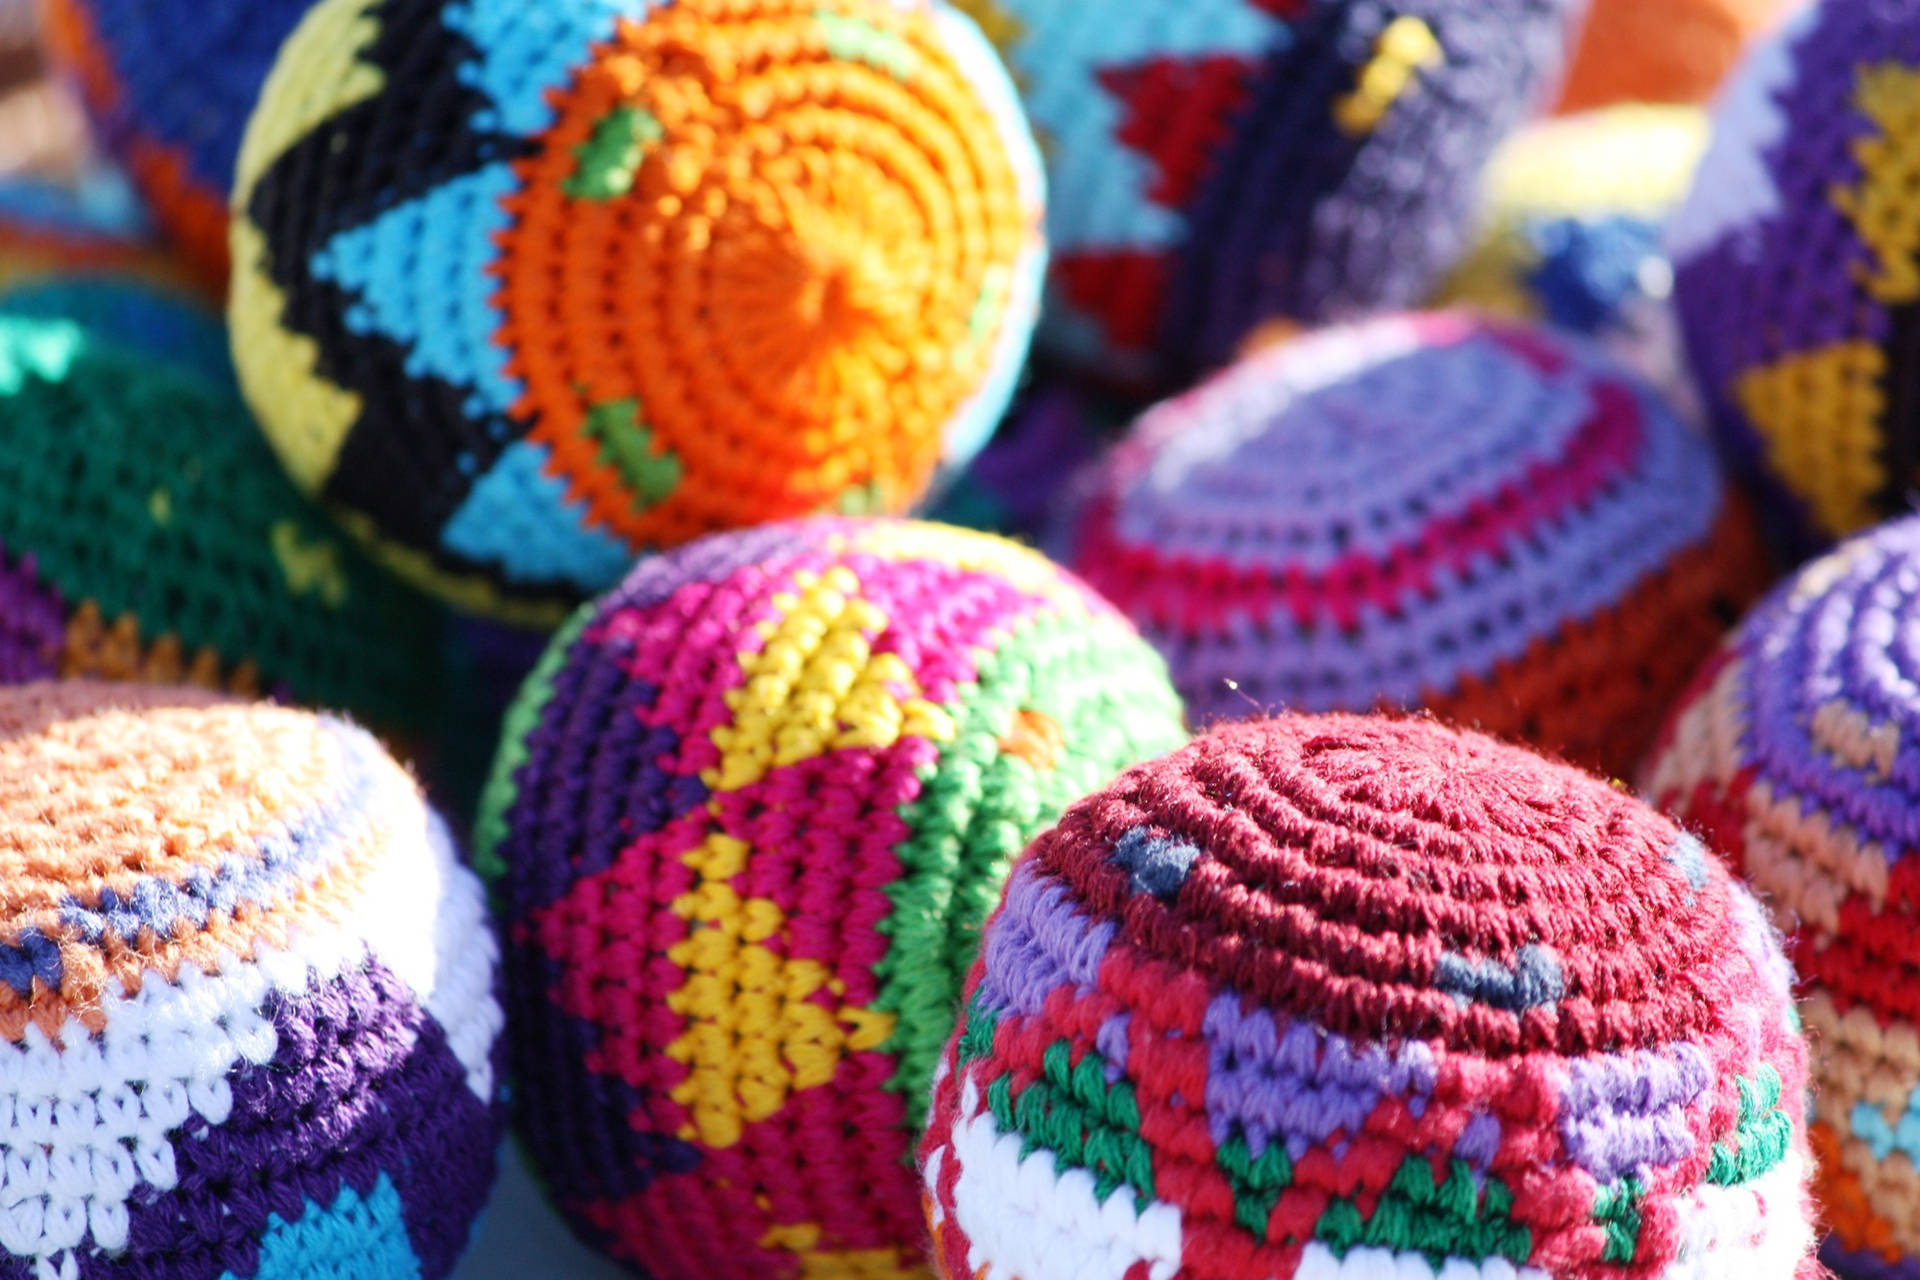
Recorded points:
(1663,50)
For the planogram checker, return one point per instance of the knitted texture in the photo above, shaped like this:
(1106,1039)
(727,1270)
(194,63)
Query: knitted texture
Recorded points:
(1796,753)
(525,286)
(1663,50)
(1426,510)
(247,1008)
(167,85)
(1796,273)
(1214,163)
(1361,999)
(147,534)
(748,815)
(1574,210)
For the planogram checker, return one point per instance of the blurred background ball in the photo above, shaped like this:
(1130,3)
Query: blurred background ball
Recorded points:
(1797,277)
(1570,234)
(1434,510)
(526,286)
(1798,754)
(1356,998)
(90,224)
(1216,163)
(247,1009)
(146,533)
(168,85)
(1054,429)
(1663,50)
(747,816)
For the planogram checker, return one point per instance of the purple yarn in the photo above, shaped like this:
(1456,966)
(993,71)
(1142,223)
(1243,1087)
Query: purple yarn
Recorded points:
(1849,1264)
(32,623)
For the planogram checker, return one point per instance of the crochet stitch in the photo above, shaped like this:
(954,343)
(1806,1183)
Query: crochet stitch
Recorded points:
(1796,273)
(526,286)
(1575,208)
(1663,51)
(146,533)
(748,814)
(1215,163)
(167,85)
(1345,998)
(1438,510)
(1796,754)
(247,1009)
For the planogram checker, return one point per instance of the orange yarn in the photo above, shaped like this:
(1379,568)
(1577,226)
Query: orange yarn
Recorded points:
(194,221)
(780,278)
(1662,50)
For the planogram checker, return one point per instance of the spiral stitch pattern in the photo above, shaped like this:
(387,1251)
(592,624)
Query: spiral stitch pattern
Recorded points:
(1798,753)
(1434,510)
(1351,998)
(526,286)
(247,1007)
(747,817)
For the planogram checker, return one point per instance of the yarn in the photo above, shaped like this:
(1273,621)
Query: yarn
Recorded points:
(527,286)
(1345,998)
(747,816)
(48,226)
(1433,510)
(1571,235)
(1055,428)
(1663,51)
(167,85)
(247,1009)
(154,321)
(1216,163)
(1795,269)
(147,534)
(1795,754)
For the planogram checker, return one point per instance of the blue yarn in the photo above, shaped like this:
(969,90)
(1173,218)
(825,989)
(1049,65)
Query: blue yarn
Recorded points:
(354,1238)
(1588,267)
(430,291)
(1156,864)
(524,48)
(130,313)
(520,518)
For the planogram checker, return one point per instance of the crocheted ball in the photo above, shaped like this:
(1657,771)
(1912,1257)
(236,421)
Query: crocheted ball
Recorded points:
(147,534)
(1795,277)
(1215,163)
(152,319)
(525,286)
(748,815)
(1052,432)
(1360,999)
(247,1008)
(49,226)
(1433,510)
(1574,210)
(1796,754)
(1663,50)
(168,85)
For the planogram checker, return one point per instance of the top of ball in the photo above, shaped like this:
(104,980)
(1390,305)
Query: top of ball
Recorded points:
(524,286)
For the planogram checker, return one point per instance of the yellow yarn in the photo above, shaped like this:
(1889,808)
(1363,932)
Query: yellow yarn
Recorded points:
(1818,413)
(803,1239)
(308,566)
(1401,50)
(1885,207)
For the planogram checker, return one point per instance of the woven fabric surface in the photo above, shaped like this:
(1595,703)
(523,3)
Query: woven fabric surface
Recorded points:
(1350,998)
(1441,510)
(747,817)
(248,1017)
(168,85)
(1574,209)
(526,286)
(1663,51)
(1796,272)
(1796,754)
(1214,163)
(146,533)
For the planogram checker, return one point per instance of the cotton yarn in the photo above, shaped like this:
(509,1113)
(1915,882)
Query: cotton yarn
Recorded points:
(1796,277)
(247,1009)
(1346,998)
(1435,510)
(1663,51)
(167,85)
(527,286)
(1216,163)
(146,533)
(1574,210)
(1795,754)
(747,817)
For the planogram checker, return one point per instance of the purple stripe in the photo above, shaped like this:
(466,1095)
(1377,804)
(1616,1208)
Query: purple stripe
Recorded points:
(1623,1112)
(1040,941)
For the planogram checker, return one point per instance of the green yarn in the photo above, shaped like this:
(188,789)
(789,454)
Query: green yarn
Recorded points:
(1073,1113)
(1457,1218)
(145,489)
(626,445)
(523,716)
(609,160)
(980,804)
(1764,1133)
(1617,1208)
(1257,1183)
